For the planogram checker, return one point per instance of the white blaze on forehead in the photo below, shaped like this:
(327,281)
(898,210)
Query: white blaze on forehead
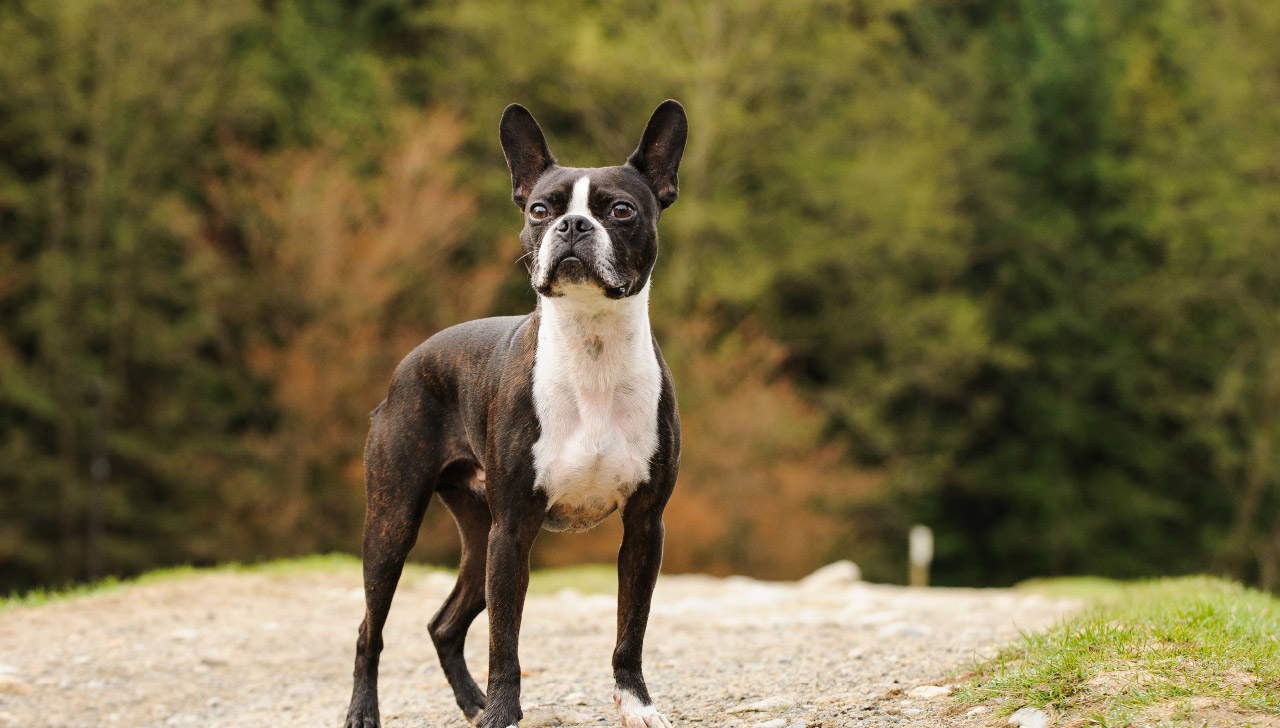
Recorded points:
(578,202)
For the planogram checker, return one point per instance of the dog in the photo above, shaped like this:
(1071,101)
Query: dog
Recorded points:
(551,420)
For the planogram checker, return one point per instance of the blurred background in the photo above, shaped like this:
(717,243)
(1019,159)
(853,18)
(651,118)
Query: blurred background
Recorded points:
(1009,269)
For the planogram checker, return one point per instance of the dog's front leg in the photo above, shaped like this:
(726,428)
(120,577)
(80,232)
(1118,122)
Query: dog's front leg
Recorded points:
(506,582)
(638,562)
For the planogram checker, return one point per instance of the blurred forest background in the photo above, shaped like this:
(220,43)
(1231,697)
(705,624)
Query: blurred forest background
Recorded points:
(1010,269)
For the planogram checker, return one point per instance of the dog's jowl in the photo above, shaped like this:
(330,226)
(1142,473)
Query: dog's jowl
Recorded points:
(552,420)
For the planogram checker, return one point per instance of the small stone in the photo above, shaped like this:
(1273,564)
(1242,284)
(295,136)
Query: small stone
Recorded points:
(569,716)
(8,719)
(979,710)
(576,698)
(184,634)
(775,723)
(837,574)
(799,724)
(1029,717)
(768,705)
(928,692)
(14,685)
(541,716)
(912,711)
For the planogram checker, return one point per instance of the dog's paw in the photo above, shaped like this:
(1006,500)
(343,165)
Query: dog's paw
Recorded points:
(363,713)
(636,714)
(494,721)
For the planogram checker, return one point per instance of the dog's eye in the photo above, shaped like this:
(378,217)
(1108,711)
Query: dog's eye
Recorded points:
(538,212)
(622,210)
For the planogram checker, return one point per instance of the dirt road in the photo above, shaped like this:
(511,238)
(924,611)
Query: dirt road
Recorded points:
(261,649)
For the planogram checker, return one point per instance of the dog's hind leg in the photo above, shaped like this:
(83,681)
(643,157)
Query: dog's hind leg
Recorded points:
(449,627)
(398,485)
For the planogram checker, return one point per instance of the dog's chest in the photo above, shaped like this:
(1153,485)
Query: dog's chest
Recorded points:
(596,385)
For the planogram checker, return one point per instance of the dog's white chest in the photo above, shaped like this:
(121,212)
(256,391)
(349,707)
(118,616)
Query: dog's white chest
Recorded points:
(596,385)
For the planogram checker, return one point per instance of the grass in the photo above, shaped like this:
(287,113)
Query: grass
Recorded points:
(588,579)
(1173,652)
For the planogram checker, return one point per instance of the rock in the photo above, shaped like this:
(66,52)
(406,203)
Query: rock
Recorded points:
(928,692)
(799,724)
(184,634)
(768,705)
(979,710)
(550,716)
(8,719)
(837,574)
(1029,717)
(569,716)
(775,723)
(576,698)
(14,685)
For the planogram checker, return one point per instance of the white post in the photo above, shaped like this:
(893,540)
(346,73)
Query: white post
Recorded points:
(920,553)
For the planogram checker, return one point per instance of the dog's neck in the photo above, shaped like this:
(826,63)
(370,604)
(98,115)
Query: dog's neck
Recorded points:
(599,340)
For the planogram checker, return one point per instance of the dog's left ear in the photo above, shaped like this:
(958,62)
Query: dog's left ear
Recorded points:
(658,156)
(526,150)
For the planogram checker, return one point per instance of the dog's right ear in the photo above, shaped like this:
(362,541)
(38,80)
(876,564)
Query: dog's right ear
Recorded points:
(526,149)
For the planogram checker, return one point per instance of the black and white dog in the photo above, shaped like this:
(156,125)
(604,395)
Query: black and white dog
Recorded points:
(551,420)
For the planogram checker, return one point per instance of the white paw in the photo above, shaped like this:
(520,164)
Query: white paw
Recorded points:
(636,714)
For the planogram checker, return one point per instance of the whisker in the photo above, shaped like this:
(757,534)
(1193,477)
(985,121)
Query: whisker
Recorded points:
(521,259)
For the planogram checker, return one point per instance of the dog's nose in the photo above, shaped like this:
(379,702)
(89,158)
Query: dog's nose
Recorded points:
(574,223)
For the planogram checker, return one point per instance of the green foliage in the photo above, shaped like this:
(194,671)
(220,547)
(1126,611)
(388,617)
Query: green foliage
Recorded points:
(1156,653)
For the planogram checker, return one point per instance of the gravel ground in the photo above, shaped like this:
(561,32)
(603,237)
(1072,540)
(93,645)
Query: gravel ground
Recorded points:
(257,649)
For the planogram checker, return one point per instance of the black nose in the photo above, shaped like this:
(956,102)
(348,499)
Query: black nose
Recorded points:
(574,223)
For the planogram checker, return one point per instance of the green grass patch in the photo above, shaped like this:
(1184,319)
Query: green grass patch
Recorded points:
(304,564)
(1173,652)
(588,578)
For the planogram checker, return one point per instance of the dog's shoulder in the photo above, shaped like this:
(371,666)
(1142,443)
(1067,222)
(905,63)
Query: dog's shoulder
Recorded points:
(467,352)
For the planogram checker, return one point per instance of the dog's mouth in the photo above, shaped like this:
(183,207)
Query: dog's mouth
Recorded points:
(574,271)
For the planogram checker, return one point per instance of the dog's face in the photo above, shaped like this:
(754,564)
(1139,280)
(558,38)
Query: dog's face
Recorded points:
(593,229)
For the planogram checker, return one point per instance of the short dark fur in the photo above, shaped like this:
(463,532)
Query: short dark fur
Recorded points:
(461,404)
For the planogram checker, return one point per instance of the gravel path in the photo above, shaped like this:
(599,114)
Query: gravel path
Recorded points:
(256,649)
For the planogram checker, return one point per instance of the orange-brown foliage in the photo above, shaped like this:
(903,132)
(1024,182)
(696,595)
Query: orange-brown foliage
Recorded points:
(349,272)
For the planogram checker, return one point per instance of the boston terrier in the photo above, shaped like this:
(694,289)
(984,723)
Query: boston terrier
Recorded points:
(551,420)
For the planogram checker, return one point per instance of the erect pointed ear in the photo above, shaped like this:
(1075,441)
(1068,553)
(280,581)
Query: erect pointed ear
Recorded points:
(658,156)
(526,151)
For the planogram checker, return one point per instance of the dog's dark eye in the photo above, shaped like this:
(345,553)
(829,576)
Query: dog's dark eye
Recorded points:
(622,210)
(538,212)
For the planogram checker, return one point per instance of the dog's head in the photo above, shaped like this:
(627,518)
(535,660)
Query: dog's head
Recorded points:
(593,230)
